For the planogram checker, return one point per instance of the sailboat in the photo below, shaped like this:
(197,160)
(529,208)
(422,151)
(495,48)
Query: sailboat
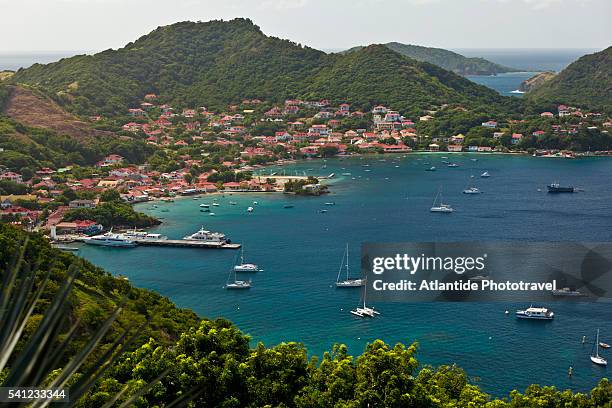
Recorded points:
(348,282)
(441,207)
(485,174)
(236,284)
(597,359)
(246,267)
(364,311)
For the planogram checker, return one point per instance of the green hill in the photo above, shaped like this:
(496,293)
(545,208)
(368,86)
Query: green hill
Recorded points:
(448,60)
(217,63)
(586,82)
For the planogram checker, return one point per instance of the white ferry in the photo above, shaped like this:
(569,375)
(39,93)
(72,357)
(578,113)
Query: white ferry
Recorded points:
(111,240)
(143,235)
(536,313)
(207,236)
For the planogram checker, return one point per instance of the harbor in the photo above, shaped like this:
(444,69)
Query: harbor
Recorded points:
(301,250)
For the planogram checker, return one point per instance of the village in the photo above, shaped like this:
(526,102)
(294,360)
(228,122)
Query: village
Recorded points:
(206,152)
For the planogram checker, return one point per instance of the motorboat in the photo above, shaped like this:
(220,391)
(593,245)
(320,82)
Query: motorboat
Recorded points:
(535,313)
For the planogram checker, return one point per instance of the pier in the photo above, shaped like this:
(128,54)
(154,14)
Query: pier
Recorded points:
(182,243)
(176,243)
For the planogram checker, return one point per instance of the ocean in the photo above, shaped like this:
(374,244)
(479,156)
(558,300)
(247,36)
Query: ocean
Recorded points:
(531,60)
(301,249)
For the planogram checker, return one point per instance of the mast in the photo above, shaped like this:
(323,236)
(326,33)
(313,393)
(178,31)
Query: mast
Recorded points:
(347,261)
(597,345)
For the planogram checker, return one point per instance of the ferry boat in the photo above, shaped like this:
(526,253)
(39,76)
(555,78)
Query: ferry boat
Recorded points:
(110,240)
(536,313)
(143,235)
(557,188)
(347,282)
(207,236)
(566,292)
(246,267)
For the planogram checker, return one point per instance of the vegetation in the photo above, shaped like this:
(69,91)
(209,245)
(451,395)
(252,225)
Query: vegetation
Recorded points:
(448,60)
(113,214)
(218,63)
(117,358)
(586,82)
(300,186)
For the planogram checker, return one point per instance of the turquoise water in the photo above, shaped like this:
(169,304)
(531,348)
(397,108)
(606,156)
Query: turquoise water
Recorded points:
(301,249)
(503,83)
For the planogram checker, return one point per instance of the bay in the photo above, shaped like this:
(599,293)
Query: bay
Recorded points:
(300,249)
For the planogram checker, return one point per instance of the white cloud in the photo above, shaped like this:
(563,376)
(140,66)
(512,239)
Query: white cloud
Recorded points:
(283,4)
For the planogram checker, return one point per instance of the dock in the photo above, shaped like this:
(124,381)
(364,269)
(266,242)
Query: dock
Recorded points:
(180,243)
(183,243)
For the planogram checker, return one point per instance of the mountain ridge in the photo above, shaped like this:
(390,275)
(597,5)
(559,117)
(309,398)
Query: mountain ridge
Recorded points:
(221,62)
(449,60)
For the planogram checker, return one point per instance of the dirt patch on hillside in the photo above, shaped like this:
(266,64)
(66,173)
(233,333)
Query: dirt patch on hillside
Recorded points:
(35,110)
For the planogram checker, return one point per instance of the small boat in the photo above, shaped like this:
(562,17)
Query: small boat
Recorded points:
(246,267)
(485,174)
(557,188)
(215,204)
(474,160)
(232,203)
(330,203)
(432,168)
(238,284)
(212,214)
(566,292)
(441,207)
(597,359)
(365,311)
(204,205)
(604,345)
(347,282)
(66,248)
(346,174)
(255,203)
(204,209)
(471,190)
(250,209)
(288,206)
(452,165)
(322,211)
(535,313)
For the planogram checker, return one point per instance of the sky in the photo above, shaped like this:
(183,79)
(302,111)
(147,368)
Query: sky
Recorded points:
(95,25)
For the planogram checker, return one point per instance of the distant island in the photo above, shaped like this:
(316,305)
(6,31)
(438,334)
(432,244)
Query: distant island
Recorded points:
(448,60)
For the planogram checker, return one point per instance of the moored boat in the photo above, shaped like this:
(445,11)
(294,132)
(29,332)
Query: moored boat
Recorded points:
(535,313)
(597,359)
(347,282)
(557,188)
(110,239)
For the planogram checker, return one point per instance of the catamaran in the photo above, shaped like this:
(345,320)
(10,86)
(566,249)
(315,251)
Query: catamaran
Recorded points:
(365,311)
(246,267)
(441,207)
(597,359)
(348,282)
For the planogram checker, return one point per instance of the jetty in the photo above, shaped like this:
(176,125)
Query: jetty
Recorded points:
(179,243)
(185,243)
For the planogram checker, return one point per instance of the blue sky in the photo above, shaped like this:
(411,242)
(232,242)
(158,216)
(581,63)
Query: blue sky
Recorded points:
(27,25)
